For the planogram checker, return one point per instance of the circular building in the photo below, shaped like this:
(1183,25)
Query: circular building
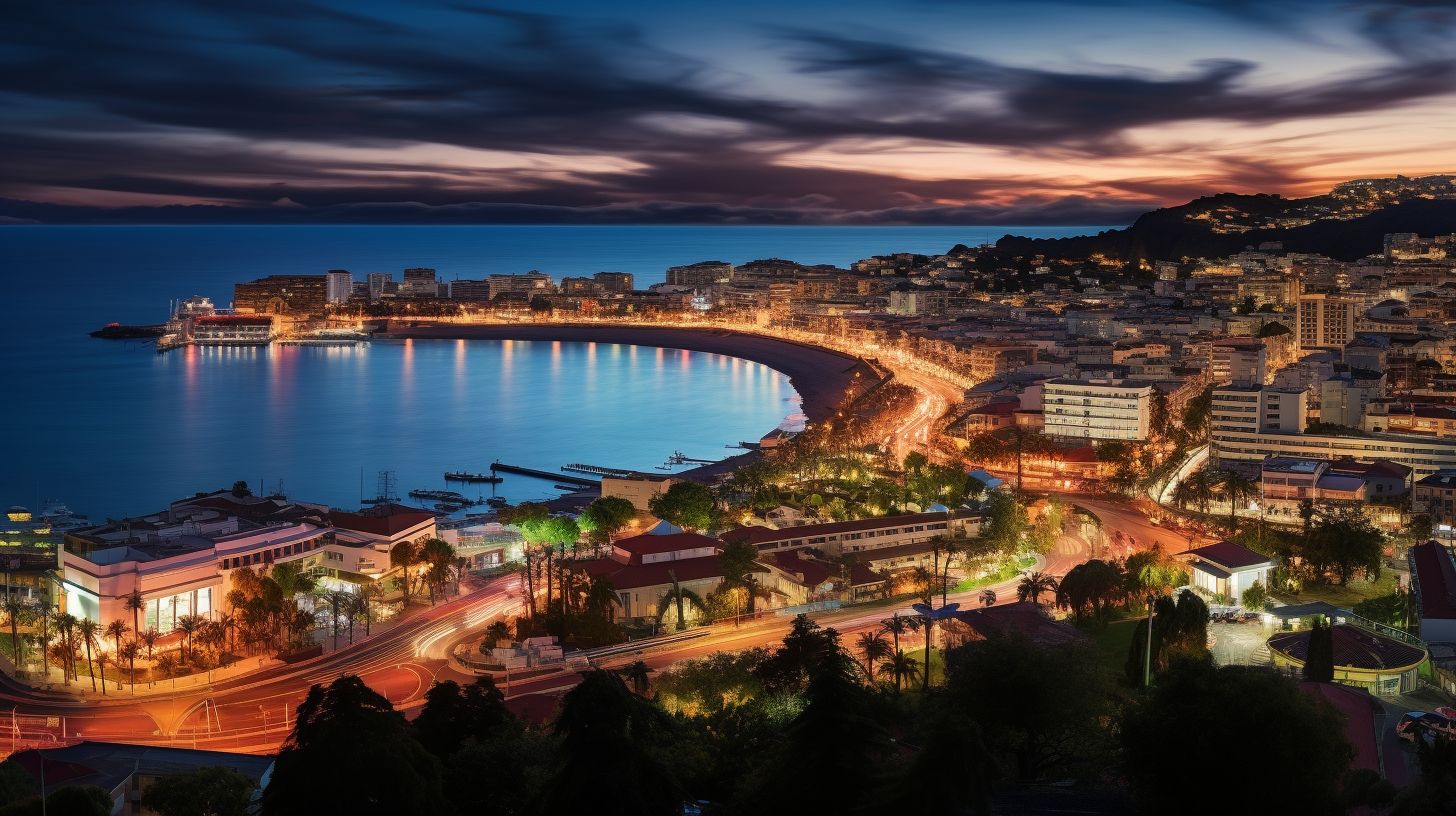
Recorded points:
(1379,664)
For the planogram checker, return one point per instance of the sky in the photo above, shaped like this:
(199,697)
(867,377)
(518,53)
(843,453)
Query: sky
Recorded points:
(849,112)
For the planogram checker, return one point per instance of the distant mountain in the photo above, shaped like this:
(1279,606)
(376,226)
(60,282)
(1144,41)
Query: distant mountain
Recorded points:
(1347,223)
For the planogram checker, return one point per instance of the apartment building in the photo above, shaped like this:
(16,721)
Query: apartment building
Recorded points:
(1326,321)
(1098,409)
(1239,362)
(1249,424)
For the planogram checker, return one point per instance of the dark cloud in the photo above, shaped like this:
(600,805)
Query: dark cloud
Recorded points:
(195,100)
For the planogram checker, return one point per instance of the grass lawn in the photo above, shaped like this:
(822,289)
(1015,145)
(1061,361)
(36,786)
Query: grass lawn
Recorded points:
(1112,643)
(1009,570)
(1344,597)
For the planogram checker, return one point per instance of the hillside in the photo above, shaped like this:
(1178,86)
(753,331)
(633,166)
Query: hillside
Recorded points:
(1348,223)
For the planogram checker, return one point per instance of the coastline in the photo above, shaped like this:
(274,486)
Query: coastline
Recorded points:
(820,376)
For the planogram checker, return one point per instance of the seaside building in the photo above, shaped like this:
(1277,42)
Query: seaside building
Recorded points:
(1102,409)
(526,285)
(700,275)
(613,282)
(419,281)
(339,285)
(470,290)
(380,285)
(231,330)
(180,559)
(282,295)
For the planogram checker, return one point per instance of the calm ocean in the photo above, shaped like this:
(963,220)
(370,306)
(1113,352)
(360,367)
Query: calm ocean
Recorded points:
(113,429)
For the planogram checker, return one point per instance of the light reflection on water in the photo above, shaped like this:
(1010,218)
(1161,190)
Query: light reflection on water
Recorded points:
(315,417)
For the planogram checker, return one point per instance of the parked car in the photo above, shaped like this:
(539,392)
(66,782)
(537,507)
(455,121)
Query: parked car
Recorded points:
(1447,711)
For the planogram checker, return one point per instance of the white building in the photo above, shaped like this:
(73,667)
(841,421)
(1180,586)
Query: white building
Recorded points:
(1326,321)
(338,285)
(1226,570)
(1098,409)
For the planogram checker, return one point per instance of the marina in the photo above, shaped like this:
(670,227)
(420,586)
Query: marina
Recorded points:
(545,475)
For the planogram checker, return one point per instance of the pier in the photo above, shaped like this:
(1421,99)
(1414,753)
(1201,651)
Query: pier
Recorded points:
(598,470)
(545,474)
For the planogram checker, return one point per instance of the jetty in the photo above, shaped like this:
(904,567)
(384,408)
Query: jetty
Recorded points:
(598,470)
(545,474)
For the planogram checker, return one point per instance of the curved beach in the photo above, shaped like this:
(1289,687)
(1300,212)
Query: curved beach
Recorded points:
(820,376)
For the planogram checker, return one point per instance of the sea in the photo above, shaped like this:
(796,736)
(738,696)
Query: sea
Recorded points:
(112,429)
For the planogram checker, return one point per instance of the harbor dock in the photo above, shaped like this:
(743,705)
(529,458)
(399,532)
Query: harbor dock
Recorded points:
(545,474)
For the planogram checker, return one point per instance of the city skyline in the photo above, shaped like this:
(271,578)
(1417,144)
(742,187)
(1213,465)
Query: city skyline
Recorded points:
(861,113)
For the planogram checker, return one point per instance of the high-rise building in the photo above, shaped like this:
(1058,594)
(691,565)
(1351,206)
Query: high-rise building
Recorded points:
(281,294)
(1326,321)
(473,290)
(701,274)
(1098,408)
(339,284)
(613,282)
(420,281)
(531,283)
(379,285)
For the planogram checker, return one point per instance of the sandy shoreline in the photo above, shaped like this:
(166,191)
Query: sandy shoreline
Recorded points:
(820,376)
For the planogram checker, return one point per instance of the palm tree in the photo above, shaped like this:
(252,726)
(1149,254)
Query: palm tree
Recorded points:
(189,625)
(166,664)
(403,556)
(116,630)
(370,593)
(66,627)
(15,609)
(678,596)
(136,603)
(875,649)
(149,638)
(1033,584)
(101,660)
(898,625)
(636,673)
(89,629)
(1237,488)
(128,653)
(988,597)
(902,667)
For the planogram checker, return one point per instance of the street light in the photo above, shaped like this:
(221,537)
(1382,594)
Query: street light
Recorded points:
(1148,646)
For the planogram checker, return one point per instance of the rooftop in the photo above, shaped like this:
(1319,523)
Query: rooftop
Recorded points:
(1354,648)
(760,535)
(1230,556)
(1434,580)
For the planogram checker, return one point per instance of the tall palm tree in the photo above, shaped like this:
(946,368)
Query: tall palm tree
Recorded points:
(897,625)
(101,661)
(66,626)
(678,596)
(129,654)
(89,629)
(403,557)
(875,649)
(15,610)
(149,638)
(902,667)
(136,603)
(116,630)
(1237,488)
(370,593)
(1033,584)
(439,556)
(189,625)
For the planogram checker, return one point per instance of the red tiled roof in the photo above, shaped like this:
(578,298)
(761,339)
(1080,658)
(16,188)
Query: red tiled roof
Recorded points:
(1229,555)
(1436,580)
(863,575)
(761,535)
(636,576)
(648,544)
(810,572)
(389,520)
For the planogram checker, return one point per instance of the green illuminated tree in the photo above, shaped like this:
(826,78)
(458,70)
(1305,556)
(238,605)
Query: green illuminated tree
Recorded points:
(605,516)
(688,505)
(404,556)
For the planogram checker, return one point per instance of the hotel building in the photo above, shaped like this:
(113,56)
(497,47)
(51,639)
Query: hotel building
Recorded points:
(1098,409)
